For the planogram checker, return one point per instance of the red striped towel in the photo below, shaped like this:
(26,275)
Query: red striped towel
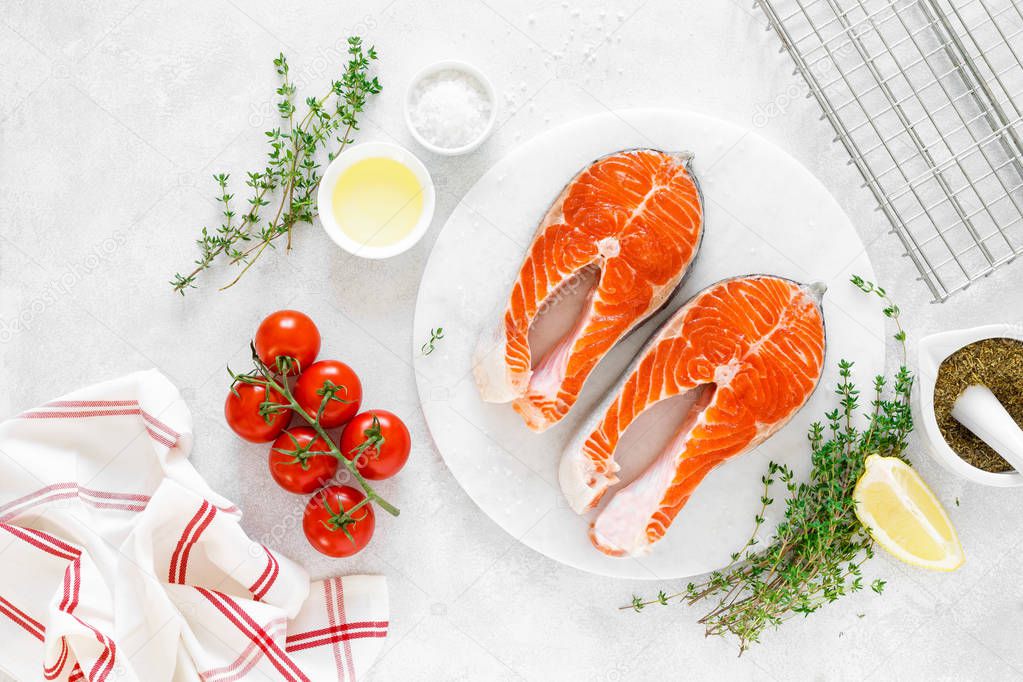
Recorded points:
(119,561)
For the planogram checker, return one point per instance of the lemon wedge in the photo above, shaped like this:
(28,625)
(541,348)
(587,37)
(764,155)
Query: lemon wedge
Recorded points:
(902,515)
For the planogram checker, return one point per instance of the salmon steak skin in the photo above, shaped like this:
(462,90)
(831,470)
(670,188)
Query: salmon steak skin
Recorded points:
(636,216)
(744,355)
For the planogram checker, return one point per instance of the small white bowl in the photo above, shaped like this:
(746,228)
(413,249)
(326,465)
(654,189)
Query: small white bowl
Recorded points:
(344,160)
(933,350)
(468,69)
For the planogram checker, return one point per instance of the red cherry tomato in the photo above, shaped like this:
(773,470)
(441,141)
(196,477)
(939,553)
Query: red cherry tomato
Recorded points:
(345,403)
(287,333)
(241,410)
(295,464)
(378,442)
(328,525)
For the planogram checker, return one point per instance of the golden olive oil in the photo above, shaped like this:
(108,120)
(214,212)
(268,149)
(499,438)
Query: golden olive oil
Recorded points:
(377,201)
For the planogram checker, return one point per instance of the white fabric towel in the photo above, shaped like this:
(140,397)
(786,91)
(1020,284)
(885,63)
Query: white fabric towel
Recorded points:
(117,560)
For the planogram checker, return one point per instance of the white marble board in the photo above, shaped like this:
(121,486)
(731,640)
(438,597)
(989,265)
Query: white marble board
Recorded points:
(764,213)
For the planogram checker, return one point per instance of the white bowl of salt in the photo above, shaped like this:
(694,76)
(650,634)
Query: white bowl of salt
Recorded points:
(450,107)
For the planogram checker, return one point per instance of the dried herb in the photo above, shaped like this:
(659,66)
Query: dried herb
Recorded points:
(292,172)
(818,550)
(995,363)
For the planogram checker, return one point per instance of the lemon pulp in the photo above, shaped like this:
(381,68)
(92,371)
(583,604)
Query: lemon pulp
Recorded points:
(377,201)
(903,515)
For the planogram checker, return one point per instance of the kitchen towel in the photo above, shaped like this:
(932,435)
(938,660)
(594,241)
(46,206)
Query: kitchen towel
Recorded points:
(119,562)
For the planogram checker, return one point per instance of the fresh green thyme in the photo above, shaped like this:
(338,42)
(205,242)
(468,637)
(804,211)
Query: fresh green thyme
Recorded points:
(435,336)
(890,310)
(292,172)
(818,550)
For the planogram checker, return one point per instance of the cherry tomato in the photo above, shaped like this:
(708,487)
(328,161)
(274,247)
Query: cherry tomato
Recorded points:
(295,464)
(345,403)
(289,333)
(378,442)
(241,410)
(328,526)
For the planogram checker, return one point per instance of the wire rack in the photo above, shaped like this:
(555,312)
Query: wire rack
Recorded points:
(927,97)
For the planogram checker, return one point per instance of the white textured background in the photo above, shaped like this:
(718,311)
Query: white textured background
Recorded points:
(113,116)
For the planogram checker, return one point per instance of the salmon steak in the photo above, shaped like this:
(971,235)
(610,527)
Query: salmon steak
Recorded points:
(619,238)
(741,358)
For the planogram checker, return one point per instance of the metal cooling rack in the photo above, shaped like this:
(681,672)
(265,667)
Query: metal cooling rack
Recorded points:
(927,97)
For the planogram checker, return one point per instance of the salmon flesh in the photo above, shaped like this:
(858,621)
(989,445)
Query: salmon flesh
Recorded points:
(630,223)
(747,354)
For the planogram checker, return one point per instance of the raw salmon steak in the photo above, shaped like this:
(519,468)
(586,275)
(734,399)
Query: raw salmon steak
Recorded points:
(630,223)
(743,356)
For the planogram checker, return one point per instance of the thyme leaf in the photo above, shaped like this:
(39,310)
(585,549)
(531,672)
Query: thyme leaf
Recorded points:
(435,336)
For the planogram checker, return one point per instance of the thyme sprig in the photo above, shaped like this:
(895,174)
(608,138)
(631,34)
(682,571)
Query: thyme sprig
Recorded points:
(818,550)
(890,310)
(435,336)
(291,175)
(281,399)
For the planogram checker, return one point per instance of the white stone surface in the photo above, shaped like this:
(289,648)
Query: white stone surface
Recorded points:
(114,114)
(513,473)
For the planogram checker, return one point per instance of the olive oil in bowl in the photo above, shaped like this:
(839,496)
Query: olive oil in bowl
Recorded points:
(376,200)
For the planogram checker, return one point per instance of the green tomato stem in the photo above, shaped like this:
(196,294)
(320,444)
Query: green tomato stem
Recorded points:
(285,391)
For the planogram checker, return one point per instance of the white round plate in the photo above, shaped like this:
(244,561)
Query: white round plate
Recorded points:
(764,213)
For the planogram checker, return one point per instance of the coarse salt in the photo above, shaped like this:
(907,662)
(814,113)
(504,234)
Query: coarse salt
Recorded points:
(450,109)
